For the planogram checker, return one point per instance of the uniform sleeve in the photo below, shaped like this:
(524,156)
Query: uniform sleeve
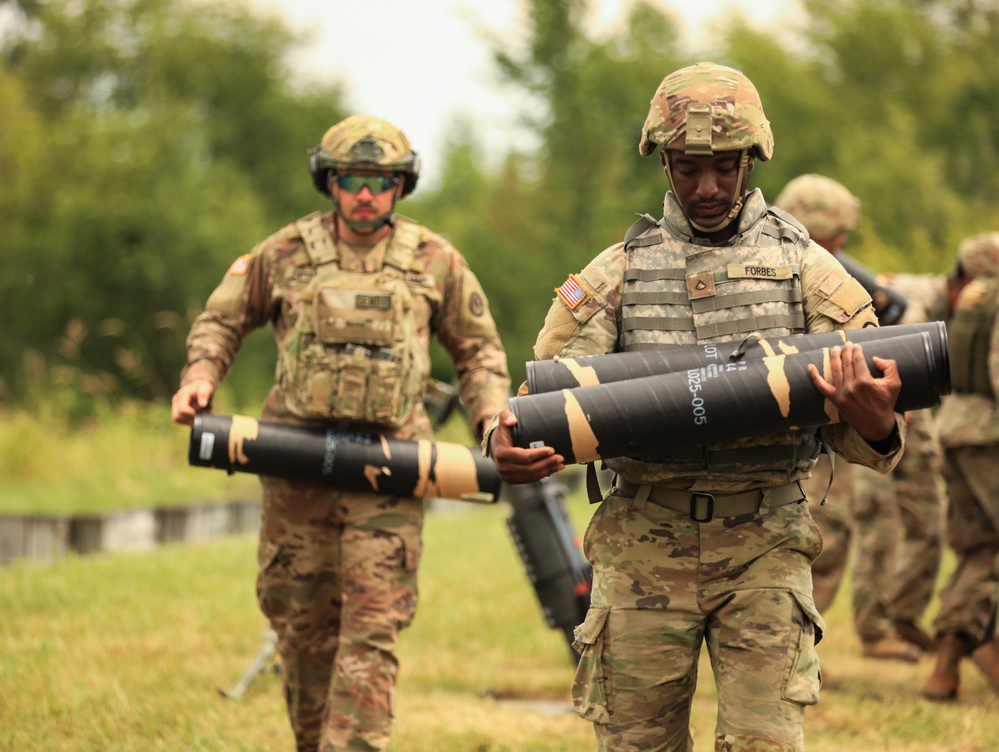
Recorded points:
(466,329)
(583,316)
(994,355)
(235,308)
(835,300)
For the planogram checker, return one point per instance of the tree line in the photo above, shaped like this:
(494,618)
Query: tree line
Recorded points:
(144,144)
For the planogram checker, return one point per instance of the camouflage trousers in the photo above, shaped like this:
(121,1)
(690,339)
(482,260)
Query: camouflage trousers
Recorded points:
(969,597)
(338,581)
(664,586)
(900,533)
(835,521)
(892,526)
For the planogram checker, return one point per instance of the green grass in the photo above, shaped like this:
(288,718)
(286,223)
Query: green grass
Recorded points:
(131,457)
(126,652)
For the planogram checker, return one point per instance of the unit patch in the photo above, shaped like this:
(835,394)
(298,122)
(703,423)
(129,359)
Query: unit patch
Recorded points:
(572,292)
(476,306)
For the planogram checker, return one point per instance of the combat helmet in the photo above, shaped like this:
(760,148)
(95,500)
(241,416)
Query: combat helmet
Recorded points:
(363,141)
(978,255)
(824,206)
(703,109)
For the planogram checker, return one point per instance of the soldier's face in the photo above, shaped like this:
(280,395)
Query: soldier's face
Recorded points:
(706,186)
(363,199)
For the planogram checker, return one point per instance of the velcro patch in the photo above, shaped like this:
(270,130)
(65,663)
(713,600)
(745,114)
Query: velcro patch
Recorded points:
(240,265)
(572,292)
(420,280)
(700,285)
(758,271)
(373,301)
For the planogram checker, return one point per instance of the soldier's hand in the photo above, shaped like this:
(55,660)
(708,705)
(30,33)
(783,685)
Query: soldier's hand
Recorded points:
(190,399)
(515,464)
(865,402)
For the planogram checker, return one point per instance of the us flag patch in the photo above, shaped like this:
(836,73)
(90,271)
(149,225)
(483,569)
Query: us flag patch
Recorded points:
(240,265)
(572,292)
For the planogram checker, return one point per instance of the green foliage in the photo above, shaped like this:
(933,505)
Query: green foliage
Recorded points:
(162,138)
(70,453)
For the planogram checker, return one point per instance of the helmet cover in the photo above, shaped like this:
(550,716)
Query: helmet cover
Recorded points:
(823,205)
(365,142)
(705,108)
(979,255)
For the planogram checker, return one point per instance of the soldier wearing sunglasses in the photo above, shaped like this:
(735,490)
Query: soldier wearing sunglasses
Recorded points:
(354,296)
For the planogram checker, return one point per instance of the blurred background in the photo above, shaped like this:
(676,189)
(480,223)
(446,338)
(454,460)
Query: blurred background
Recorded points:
(144,144)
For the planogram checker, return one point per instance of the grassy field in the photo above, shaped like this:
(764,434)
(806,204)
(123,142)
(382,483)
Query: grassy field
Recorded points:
(130,458)
(126,652)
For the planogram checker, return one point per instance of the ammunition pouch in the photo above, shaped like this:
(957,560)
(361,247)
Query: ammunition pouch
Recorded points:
(355,353)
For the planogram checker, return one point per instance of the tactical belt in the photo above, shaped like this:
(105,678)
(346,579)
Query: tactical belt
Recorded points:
(704,507)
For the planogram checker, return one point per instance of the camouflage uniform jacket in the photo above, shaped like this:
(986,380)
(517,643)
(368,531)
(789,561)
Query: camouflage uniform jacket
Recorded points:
(972,418)
(267,285)
(830,299)
(926,293)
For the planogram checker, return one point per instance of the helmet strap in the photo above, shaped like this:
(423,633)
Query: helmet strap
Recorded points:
(367,226)
(736,205)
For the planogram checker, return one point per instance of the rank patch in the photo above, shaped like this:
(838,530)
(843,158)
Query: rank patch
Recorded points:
(701,285)
(572,292)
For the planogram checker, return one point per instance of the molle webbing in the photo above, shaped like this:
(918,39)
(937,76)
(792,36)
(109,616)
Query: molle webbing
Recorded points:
(718,460)
(677,290)
(722,329)
(315,236)
(969,333)
(653,275)
(716,303)
(640,226)
(322,250)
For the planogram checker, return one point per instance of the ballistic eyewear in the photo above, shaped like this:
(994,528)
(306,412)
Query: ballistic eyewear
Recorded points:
(374,183)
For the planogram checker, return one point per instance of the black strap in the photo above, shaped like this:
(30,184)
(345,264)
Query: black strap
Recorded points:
(593,491)
(832,469)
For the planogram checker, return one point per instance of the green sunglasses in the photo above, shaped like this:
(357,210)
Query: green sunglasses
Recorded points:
(374,183)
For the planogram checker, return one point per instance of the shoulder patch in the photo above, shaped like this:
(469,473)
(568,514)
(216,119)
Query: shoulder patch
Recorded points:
(572,292)
(240,265)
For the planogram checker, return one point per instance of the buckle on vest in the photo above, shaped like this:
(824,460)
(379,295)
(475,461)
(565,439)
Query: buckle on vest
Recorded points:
(699,501)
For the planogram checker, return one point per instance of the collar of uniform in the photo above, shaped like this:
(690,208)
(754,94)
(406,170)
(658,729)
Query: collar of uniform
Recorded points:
(753,209)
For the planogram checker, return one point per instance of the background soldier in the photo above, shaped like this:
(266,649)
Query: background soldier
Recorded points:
(866,511)
(902,570)
(828,211)
(708,544)
(968,420)
(354,296)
